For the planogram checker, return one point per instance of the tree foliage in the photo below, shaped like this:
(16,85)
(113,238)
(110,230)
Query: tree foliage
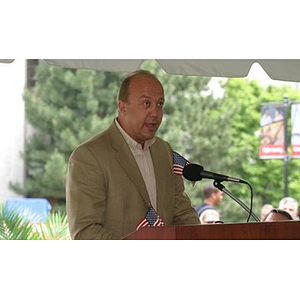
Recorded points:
(265,176)
(65,108)
(16,226)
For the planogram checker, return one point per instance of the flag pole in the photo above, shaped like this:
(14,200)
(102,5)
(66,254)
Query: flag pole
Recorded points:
(286,155)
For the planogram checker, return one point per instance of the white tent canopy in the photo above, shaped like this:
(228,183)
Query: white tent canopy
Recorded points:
(277,69)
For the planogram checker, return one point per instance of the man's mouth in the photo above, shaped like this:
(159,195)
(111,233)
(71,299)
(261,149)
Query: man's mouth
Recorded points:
(150,125)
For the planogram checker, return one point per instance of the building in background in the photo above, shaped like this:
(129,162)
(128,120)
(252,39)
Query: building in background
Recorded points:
(14,77)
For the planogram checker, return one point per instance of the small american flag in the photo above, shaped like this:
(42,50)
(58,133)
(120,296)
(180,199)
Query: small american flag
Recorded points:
(151,219)
(179,162)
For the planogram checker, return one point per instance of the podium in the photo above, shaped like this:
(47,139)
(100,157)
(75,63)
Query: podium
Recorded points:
(282,230)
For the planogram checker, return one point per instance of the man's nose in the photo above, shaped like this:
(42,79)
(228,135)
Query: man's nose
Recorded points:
(155,110)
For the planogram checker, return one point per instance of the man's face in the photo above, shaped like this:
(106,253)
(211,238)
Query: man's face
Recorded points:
(218,196)
(291,209)
(142,115)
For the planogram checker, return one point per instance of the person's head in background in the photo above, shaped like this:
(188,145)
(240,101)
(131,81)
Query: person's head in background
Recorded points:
(290,205)
(212,195)
(277,214)
(209,216)
(265,210)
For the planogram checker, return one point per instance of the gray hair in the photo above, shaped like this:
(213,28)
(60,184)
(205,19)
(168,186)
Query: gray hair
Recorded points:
(288,200)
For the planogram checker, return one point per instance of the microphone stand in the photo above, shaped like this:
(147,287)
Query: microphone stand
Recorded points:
(222,188)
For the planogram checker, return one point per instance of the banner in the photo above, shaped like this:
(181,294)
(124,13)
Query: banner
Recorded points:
(272,132)
(295,138)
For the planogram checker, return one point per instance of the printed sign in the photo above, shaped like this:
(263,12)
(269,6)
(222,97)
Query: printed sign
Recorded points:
(295,138)
(272,132)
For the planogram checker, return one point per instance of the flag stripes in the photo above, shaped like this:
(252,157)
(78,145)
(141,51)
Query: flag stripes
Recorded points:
(179,162)
(150,219)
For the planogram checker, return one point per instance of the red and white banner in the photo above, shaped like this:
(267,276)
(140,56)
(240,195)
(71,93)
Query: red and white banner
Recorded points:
(295,138)
(272,132)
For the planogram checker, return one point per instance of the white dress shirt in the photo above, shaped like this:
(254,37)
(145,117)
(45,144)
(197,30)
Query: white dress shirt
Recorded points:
(144,161)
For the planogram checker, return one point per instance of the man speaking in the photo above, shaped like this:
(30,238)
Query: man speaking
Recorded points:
(123,177)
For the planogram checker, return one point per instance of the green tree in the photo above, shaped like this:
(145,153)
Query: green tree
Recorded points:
(265,176)
(65,107)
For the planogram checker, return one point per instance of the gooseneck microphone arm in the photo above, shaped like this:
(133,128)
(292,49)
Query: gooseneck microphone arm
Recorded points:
(194,172)
(222,188)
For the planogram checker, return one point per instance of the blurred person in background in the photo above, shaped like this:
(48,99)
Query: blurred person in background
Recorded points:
(277,214)
(210,216)
(212,198)
(265,210)
(290,205)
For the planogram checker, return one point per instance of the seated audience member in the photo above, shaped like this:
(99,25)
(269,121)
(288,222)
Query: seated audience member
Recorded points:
(290,205)
(265,209)
(277,214)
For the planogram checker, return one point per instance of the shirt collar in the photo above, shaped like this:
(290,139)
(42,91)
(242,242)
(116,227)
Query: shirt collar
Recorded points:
(131,142)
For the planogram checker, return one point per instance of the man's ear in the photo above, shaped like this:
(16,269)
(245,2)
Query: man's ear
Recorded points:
(122,106)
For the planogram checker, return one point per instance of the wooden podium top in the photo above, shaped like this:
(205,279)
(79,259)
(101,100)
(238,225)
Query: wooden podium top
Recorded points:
(283,230)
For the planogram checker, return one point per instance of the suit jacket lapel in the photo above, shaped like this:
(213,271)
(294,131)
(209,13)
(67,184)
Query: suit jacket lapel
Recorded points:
(159,161)
(127,161)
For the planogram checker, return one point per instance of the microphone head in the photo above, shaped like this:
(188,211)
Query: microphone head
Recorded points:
(192,172)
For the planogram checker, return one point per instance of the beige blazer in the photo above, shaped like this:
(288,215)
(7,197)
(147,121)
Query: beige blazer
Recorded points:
(106,195)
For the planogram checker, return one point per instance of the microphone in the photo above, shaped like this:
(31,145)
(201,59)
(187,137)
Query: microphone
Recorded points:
(194,172)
